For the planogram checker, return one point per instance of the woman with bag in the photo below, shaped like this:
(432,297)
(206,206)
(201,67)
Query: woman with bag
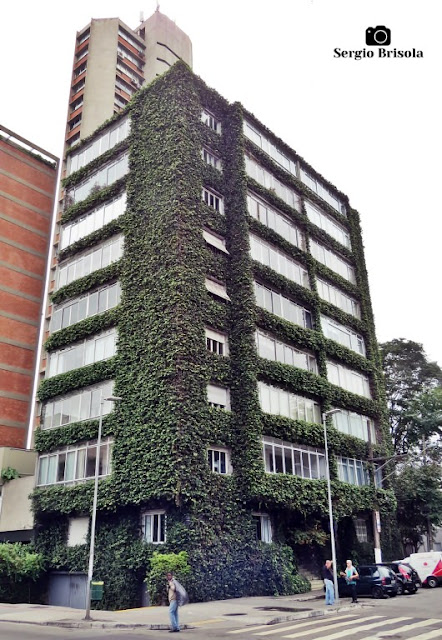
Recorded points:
(351,575)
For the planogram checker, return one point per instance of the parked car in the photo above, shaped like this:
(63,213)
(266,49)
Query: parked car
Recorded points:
(375,580)
(428,566)
(407,578)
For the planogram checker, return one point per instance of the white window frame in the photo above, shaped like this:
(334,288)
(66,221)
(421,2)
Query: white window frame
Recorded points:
(217,288)
(332,294)
(213,200)
(265,525)
(210,158)
(283,352)
(332,261)
(309,461)
(348,469)
(216,241)
(160,527)
(277,260)
(218,397)
(327,224)
(266,179)
(348,379)
(275,220)
(343,335)
(354,424)
(216,467)
(279,305)
(215,340)
(279,402)
(84,264)
(79,454)
(86,352)
(81,400)
(211,121)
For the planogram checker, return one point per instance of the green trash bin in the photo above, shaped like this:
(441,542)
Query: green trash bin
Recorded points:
(97,590)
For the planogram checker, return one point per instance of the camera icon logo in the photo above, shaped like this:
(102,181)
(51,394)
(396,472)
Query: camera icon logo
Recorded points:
(377,36)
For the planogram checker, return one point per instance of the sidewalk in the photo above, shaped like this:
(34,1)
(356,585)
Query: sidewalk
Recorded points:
(221,613)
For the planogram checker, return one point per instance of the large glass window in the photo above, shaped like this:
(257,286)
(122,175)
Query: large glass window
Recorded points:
(343,335)
(280,402)
(283,307)
(268,147)
(354,424)
(271,348)
(348,379)
(99,347)
(353,471)
(103,177)
(297,460)
(267,180)
(272,257)
(77,406)
(321,220)
(322,191)
(102,143)
(83,264)
(92,221)
(332,294)
(74,463)
(270,217)
(88,305)
(332,261)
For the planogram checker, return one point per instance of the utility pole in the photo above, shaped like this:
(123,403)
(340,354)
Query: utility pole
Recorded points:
(375,516)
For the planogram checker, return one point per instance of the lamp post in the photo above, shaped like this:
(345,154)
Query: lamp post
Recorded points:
(94,507)
(330,508)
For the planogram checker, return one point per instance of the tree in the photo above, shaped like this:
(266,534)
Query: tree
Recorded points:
(418,490)
(409,380)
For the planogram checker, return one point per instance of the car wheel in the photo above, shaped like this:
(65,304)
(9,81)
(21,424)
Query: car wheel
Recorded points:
(432,582)
(377,592)
(400,589)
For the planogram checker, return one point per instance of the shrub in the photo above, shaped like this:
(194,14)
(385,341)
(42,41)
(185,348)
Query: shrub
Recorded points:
(162,563)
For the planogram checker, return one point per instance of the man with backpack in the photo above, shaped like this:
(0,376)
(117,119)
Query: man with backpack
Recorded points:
(177,596)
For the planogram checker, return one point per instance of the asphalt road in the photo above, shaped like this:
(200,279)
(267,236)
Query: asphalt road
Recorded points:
(417,617)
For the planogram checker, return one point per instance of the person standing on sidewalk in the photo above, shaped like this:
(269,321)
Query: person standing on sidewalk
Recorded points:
(351,575)
(173,603)
(327,576)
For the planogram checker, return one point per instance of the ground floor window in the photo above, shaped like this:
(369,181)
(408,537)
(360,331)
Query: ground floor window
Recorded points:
(154,526)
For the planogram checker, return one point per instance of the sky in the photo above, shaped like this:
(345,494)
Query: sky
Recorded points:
(372,126)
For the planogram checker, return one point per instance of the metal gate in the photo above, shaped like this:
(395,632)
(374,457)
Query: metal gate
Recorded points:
(67,589)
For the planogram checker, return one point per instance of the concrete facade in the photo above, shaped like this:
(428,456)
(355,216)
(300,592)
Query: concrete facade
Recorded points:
(28,178)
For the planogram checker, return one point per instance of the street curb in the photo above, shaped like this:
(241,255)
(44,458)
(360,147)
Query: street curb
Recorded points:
(101,624)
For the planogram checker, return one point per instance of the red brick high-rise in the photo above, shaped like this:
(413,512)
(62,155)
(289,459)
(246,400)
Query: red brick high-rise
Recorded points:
(28,180)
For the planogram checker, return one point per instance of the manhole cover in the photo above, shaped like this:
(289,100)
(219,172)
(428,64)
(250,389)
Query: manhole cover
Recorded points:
(281,609)
(234,614)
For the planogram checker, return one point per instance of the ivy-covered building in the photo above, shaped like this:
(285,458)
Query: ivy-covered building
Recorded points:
(212,279)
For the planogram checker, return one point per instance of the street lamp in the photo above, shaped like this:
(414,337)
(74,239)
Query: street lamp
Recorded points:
(94,507)
(330,508)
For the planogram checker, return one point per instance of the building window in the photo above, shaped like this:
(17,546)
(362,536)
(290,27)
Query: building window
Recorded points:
(218,397)
(321,220)
(217,288)
(296,460)
(275,220)
(153,524)
(213,200)
(361,530)
(348,379)
(335,296)
(82,265)
(95,349)
(279,402)
(283,307)
(210,158)
(92,221)
(270,149)
(217,342)
(273,349)
(353,471)
(279,261)
(77,531)
(331,260)
(211,121)
(268,180)
(102,178)
(343,335)
(263,527)
(77,406)
(322,191)
(219,461)
(354,424)
(74,463)
(89,305)
(214,240)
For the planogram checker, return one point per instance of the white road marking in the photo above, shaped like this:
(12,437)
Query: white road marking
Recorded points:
(302,624)
(358,628)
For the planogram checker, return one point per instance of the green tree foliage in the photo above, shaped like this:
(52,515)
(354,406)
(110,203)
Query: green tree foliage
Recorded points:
(160,564)
(419,494)
(19,566)
(408,375)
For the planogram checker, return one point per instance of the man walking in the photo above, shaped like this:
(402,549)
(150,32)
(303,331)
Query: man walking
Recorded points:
(327,576)
(173,603)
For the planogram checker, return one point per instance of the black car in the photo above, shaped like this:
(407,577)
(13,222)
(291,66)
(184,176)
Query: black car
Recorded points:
(375,580)
(407,578)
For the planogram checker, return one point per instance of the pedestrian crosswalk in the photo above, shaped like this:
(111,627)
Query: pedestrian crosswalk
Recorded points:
(359,627)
